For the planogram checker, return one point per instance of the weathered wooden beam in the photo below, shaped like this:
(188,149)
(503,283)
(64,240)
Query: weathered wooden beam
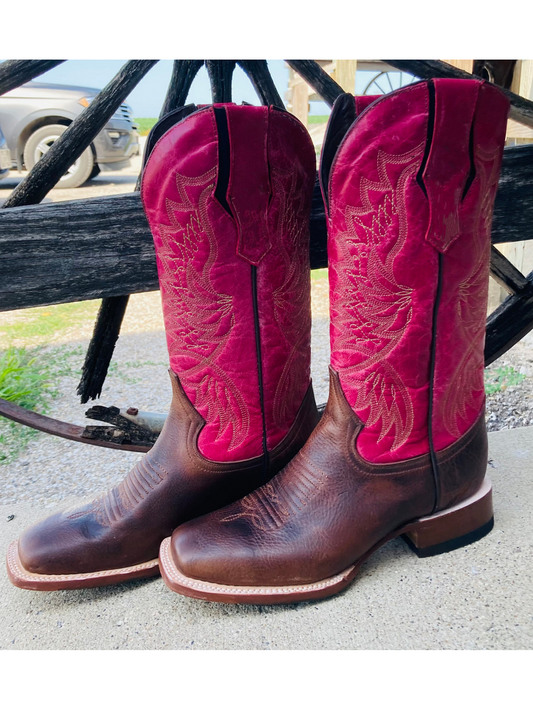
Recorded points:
(259,74)
(315,76)
(71,144)
(220,73)
(505,273)
(15,72)
(85,249)
(521,109)
(102,247)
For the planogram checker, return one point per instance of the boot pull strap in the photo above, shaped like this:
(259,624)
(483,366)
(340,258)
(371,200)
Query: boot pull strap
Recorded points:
(449,163)
(249,187)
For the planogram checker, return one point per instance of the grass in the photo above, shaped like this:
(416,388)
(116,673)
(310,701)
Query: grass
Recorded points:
(145,125)
(39,324)
(317,119)
(319,274)
(30,378)
(26,382)
(501,378)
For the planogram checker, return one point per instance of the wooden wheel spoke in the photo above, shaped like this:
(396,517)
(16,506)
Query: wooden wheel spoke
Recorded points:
(326,87)
(510,322)
(513,208)
(505,273)
(259,74)
(220,73)
(184,72)
(68,147)
(15,72)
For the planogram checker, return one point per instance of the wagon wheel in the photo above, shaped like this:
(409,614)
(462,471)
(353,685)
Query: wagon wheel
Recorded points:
(19,224)
(387,81)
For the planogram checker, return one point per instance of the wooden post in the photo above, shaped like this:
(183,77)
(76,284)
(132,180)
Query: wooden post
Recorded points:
(299,104)
(467,65)
(344,74)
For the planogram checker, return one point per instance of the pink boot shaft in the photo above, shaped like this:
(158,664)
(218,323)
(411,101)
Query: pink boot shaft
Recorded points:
(410,206)
(218,255)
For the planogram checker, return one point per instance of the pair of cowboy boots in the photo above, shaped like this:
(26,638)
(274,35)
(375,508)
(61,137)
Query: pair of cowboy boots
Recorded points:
(247,496)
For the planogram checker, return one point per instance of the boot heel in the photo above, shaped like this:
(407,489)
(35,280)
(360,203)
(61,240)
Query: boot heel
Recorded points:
(455,527)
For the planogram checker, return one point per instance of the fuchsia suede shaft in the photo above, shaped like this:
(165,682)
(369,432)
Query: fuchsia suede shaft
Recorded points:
(362,102)
(385,237)
(204,260)
(459,391)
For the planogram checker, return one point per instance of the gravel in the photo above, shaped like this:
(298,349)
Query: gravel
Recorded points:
(512,406)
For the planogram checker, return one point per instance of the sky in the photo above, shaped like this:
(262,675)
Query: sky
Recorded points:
(147,97)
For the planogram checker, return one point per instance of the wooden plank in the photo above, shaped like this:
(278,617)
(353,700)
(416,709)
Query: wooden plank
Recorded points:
(70,251)
(523,78)
(300,102)
(518,130)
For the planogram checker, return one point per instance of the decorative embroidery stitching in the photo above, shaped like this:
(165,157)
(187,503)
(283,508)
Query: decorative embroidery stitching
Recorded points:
(270,507)
(292,299)
(466,386)
(113,505)
(199,318)
(372,309)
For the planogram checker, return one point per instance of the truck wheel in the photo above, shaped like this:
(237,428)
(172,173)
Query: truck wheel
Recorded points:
(39,143)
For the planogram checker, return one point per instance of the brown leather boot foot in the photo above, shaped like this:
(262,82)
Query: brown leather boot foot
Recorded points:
(305,534)
(116,537)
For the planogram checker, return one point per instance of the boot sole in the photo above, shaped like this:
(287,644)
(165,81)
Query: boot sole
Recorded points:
(22,578)
(445,531)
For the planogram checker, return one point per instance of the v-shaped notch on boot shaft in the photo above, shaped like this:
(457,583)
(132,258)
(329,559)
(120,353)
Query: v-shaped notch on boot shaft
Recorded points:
(461,114)
(227,192)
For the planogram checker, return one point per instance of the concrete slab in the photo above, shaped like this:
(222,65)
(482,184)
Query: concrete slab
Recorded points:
(479,597)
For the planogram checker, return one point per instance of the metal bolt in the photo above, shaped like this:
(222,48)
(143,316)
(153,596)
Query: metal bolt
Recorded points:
(132,411)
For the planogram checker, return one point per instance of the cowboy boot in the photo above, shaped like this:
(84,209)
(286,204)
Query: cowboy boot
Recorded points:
(227,193)
(401,449)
